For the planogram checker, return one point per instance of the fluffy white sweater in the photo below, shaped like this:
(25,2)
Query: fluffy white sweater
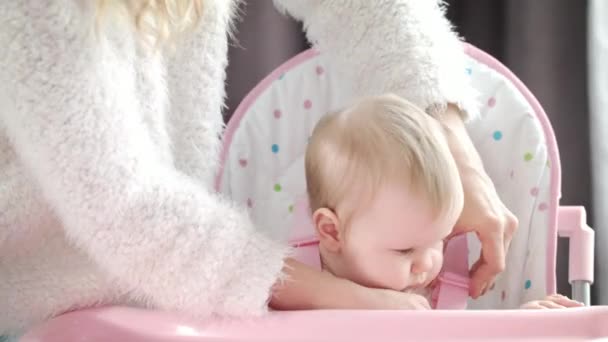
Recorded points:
(107,152)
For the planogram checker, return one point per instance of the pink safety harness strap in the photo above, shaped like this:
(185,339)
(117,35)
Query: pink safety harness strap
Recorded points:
(452,289)
(306,251)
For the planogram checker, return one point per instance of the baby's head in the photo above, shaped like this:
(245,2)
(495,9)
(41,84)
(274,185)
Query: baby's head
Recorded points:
(384,192)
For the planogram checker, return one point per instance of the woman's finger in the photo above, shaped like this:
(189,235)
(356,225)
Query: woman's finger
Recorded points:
(492,260)
(472,271)
(510,227)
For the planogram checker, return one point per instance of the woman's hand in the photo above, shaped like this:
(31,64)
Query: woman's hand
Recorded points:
(486,215)
(483,212)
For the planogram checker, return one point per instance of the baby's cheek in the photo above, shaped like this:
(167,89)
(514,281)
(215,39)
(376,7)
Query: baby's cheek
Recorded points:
(372,269)
(400,275)
(391,272)
(437,262)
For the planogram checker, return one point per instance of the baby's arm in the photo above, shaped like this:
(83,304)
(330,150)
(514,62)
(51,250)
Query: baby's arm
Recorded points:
(306,288)
(555,301)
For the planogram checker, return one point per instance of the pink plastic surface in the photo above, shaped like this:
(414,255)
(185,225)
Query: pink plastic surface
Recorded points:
(573,224)
(452,290)
(124,324)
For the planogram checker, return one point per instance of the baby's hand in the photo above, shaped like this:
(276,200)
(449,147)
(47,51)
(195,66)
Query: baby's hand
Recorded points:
(555,301)
(380,299)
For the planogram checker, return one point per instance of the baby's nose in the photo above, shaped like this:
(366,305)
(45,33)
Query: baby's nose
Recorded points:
(422,264)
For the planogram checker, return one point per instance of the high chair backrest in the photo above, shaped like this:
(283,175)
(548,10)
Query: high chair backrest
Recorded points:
(262,163)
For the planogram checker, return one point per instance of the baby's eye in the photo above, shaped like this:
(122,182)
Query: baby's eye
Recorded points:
(405,251)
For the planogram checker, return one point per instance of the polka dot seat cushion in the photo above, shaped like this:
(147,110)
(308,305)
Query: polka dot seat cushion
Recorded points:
(263,160)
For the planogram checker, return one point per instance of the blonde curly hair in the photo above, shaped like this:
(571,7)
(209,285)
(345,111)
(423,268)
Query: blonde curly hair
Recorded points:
(157,21)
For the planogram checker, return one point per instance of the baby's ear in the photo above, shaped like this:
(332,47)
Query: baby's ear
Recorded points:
(328,228)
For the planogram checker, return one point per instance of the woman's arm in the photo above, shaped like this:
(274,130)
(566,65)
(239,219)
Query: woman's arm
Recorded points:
(405,47)
(76,127)
(195,76)
(484,213)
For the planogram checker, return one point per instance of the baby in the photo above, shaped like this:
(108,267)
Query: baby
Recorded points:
(385,193)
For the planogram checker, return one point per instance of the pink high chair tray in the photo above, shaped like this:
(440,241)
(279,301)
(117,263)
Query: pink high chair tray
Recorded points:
(126,324)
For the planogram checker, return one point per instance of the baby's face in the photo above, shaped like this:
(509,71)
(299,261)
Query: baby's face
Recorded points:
(395,242)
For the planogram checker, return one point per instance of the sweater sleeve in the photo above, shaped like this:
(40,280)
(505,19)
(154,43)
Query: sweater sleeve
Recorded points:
(160,235)
(196,65)
(405,47)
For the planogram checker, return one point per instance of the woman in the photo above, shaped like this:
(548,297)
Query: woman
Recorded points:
(109,123)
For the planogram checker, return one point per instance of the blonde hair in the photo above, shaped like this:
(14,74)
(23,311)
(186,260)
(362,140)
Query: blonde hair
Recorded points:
(379,139)
(157,21)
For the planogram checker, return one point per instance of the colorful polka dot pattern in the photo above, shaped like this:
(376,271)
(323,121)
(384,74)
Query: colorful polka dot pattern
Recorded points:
(491,102)
(500,137)
(497,135)
(528,157)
